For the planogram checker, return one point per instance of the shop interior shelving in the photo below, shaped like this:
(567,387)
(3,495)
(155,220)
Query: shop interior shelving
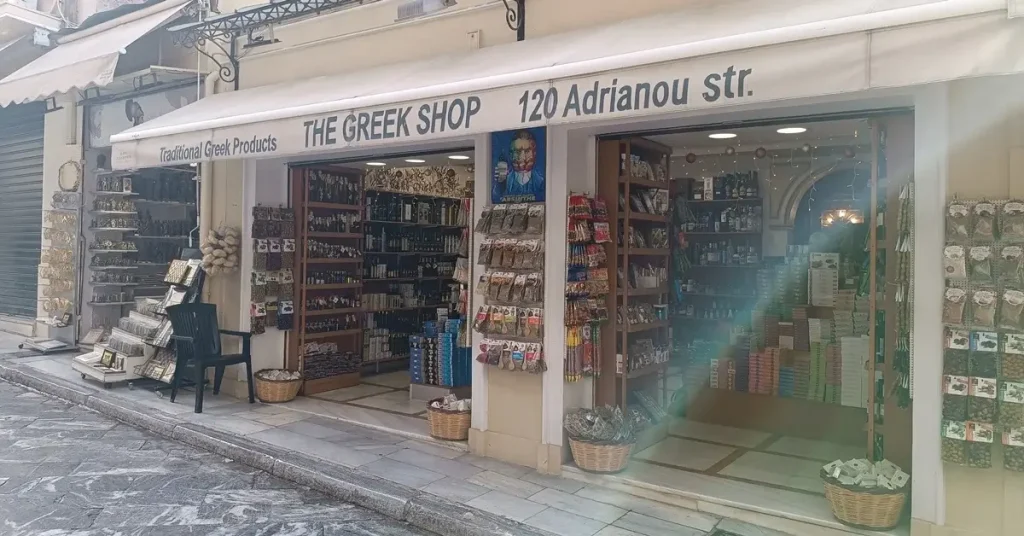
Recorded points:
(411,248)
(319,197)
(619,178)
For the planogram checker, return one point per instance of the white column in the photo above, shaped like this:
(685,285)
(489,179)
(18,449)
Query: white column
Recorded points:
(554,284)
(931,159)
(481,199)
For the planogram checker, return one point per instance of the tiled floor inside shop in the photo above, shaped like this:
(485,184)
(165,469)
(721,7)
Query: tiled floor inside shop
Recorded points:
(699,475)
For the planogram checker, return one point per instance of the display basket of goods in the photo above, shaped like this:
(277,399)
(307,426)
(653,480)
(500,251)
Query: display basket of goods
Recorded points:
(449,418)
(601,439)
(277,385)
(866,495)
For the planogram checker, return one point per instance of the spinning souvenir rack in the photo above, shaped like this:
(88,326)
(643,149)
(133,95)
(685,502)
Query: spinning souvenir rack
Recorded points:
(61,262)
(139,220)
(139,347)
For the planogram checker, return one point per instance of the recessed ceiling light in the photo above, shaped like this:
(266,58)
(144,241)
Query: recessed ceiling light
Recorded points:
(415,160)
(791,130)
(722,136)
(458,157)
(376,164)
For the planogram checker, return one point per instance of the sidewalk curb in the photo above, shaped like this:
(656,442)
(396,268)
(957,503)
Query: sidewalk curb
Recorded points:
(419,509)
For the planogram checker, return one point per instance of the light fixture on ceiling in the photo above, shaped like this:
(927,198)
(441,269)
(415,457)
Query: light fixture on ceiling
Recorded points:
(722,136)
(791,130)
(458,157)
(415,160)
(841,216)
(376,164)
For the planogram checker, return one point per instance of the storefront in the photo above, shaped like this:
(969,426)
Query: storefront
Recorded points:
(853,67)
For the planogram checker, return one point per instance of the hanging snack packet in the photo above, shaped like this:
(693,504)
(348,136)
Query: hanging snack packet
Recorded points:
(483,315)
(535,220)
(519,213)
(953,306)
(486,250)
(600,210)
(984,221)
(518,289)
(1010,316)
(509,320)
(1011,221)
(497,219)
(483,225)
(984,307)
(981,264)
(1010,265)
(954,262)
(957,222)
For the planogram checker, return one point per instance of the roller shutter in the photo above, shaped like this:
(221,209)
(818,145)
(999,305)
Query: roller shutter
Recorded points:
(21,206)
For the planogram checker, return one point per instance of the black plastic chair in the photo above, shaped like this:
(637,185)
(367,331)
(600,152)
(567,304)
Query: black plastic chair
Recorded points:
(197,342)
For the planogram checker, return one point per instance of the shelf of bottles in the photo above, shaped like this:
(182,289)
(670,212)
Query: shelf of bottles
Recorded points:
(329,264)
(719,224)
(138,222)
(642,263)
(411,247)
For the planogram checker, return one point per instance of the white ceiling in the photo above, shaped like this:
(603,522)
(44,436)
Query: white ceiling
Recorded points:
(431,160)
(819,134)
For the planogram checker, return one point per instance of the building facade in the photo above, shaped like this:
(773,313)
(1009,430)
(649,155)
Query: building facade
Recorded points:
(947,65)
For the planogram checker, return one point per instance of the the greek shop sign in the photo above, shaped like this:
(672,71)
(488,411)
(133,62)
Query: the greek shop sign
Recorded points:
(646,91)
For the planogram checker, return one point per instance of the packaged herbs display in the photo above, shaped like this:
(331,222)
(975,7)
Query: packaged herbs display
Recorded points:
(953,306)
(955,362)
(984,308)
(981,405)
(981,264)
(1013,450)
(1011,404)
(1013,367)
(1009,263)
(954,262)
(954,442)
(983,365)
(1011,221)
(1011,307)
(957,223)
(984,222)
(954,397)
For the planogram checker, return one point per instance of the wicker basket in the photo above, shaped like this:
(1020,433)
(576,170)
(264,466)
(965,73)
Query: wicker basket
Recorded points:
(600,458)
(448,424)
(275,391)
(865,509)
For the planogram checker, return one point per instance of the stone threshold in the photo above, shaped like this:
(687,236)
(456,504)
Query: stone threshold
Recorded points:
(421,510)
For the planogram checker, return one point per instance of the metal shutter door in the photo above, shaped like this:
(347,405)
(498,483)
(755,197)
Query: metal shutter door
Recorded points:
(21,206)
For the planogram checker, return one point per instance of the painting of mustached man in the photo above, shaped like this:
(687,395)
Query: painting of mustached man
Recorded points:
(518,162)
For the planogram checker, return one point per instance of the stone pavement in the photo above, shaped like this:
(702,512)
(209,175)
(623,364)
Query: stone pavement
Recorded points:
(436,486)
(65,470)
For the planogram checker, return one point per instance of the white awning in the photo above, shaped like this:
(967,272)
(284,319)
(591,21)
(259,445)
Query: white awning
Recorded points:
(720,53)
(85,59)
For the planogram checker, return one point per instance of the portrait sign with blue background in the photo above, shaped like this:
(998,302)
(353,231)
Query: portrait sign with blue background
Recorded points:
(518,163)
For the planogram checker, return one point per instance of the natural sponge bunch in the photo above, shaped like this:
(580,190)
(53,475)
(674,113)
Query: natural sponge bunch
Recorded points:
(220,250)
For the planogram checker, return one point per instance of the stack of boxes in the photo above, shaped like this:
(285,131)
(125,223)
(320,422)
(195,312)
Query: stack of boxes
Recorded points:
(833,373)
(817,374)
(854,380)
(801,330)
(435,358)
(804,376)
(824,279)
(787,375)
(786,336)
(764,372)
(741,360)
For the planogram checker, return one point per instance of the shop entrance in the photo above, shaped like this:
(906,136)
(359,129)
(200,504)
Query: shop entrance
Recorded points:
(749,305)
(381,285)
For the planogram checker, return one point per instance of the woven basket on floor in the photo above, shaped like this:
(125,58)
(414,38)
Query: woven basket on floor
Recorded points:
(865,509)
(598,458)
(274,391)
(447,424)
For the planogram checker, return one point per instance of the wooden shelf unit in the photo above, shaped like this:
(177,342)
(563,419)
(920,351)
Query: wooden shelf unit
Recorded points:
(348,340)
(615,177)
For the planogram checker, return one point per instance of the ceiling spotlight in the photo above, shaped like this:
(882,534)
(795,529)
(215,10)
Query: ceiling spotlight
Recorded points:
(376,164)
(458,157)
(722,136)
(791,130)
(415,160)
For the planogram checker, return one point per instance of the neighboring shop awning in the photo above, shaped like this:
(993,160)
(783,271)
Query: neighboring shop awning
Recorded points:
(85,59)
(721,53)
